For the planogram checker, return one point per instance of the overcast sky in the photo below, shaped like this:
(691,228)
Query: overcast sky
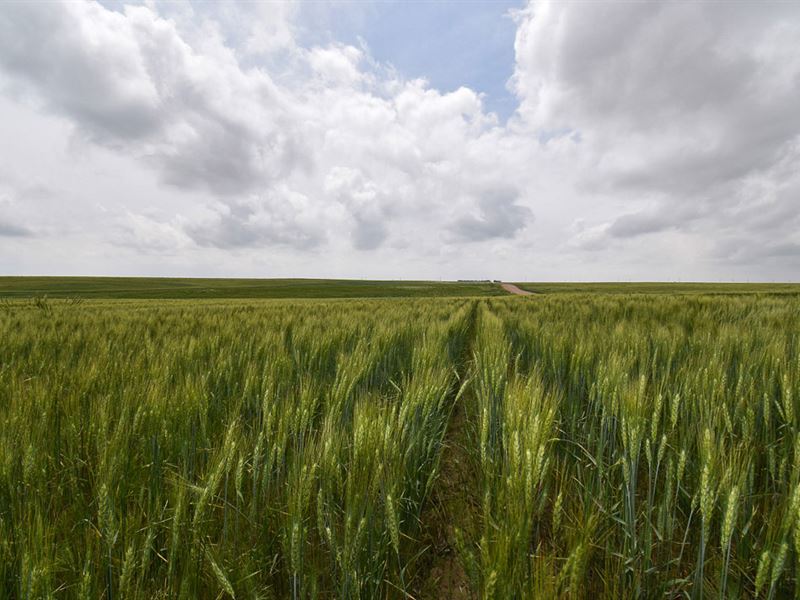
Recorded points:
(543,141)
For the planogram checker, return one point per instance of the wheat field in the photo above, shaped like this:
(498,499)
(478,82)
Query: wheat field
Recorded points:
(558,446)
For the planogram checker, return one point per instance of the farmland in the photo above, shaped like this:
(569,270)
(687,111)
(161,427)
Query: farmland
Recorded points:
(591,443)
(166,288)
(660,288)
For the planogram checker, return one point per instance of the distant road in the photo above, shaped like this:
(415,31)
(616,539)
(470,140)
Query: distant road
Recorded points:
(512,289)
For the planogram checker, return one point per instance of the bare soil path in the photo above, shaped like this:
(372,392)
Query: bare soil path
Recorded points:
(453,504)
(512,289)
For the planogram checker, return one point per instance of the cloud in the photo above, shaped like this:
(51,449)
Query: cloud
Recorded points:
(150,235)
(746,251)
(129,81)
(90,66)
(12,230)
(686,113)
(655,220)
(643,123)
(365,201)
(282,217)
(673,97)
(498,215)
(13,193)
(640,224)
(253,136)
(337,65)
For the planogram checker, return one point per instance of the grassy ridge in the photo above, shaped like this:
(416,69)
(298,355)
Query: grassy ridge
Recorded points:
(177,288)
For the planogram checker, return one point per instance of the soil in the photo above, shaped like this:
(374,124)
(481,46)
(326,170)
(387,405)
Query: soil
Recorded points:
(512,289)
(453,506)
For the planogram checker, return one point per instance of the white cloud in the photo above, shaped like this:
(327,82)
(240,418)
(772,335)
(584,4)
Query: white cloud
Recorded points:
(639,125)
(337,65)
(686,110)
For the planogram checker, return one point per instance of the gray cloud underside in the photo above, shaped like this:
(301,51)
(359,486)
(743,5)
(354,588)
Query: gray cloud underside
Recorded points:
(499,216)
(12,230)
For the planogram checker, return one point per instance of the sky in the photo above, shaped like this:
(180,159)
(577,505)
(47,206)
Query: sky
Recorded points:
(524,141)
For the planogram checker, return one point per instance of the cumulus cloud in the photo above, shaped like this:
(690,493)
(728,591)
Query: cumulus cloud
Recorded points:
(130,81)
(655,221)
(637,123)
(687,111)
(368,204)
(12,194)
(148,234)
(338,65)
(498,215)
(13,230)
(280,217)
(269,152)
(677,97)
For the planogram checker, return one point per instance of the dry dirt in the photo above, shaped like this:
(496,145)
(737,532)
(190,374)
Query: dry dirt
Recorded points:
(512,289)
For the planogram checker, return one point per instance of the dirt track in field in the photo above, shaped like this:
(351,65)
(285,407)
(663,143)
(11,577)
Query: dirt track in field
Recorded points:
(512,289)
(454,503)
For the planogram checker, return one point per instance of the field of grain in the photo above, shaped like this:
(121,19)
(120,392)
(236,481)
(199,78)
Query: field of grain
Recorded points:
(548,446)
(170,288)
